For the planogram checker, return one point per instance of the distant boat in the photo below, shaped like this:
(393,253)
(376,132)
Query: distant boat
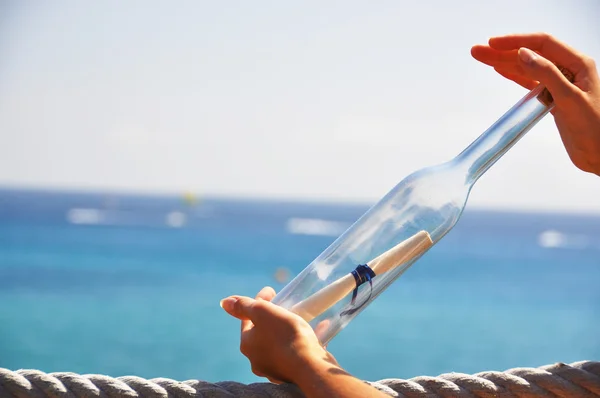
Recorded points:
(556,239)
(190,199)
(86,216)
(315,226)
(176,219)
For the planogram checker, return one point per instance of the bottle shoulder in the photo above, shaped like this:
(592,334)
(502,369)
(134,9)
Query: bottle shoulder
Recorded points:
(434,196)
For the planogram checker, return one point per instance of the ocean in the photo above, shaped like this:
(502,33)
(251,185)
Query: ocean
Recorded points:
(130,285)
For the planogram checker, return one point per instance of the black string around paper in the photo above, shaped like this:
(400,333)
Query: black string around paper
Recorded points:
(362,274)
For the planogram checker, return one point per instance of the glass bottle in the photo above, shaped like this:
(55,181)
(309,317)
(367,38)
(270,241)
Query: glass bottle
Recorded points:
(401,227)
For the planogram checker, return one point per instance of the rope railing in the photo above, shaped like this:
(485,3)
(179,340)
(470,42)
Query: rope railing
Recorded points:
(578,379)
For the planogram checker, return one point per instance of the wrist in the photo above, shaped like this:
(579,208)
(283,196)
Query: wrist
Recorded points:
(309,371)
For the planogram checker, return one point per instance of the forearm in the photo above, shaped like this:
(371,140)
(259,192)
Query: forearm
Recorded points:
(322,379)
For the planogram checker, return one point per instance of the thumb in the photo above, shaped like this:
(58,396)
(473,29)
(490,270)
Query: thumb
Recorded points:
(239,307)
(548,74)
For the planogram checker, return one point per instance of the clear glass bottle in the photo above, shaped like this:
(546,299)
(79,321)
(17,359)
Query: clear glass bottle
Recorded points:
(396,231)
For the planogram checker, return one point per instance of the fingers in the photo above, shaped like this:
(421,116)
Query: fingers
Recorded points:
(238,306)
(531,58)
(518,78)
(246,324)
(242,307)
(506,63)
(257,311)
(267,293)
(541,69)
(493,57)
(546,45)
(321,328)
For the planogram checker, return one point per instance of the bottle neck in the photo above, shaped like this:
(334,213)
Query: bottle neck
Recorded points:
(478,157)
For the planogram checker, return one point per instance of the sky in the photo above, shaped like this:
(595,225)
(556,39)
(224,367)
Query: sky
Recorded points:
(315,100)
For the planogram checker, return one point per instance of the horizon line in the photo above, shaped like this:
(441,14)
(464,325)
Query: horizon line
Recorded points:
(96,190)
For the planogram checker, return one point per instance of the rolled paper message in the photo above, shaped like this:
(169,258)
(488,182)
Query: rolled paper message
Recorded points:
(328,296)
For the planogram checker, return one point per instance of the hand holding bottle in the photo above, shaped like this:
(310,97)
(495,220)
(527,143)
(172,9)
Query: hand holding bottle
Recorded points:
(284,348)
(529,59)
(276,341)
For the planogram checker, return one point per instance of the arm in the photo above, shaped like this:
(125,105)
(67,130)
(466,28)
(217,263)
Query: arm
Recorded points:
(283,347)
(321,379)
(529,59)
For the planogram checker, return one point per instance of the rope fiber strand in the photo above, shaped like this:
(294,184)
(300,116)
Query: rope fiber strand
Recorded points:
(578,379)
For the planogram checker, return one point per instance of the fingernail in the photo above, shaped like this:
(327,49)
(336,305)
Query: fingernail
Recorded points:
(227,303)
(527,56)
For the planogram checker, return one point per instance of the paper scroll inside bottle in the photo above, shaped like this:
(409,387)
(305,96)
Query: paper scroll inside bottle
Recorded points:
(328,296)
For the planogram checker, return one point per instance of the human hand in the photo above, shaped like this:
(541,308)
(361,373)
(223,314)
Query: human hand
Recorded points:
(279,344)
(529,59)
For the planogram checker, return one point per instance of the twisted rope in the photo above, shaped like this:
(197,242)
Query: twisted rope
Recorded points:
(579,379)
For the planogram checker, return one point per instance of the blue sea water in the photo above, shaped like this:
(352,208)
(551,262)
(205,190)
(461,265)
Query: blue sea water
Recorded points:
(121,284)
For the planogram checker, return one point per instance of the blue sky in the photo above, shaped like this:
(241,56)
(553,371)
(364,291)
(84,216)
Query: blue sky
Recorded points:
(335,100)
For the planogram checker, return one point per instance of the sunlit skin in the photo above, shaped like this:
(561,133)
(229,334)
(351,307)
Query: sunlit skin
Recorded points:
(282,347)
(528,60)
